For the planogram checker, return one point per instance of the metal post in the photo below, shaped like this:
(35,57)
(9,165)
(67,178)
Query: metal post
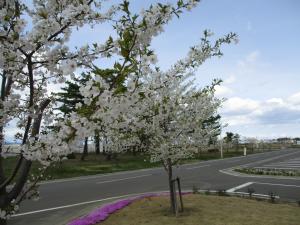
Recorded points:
(221,148)
(175,197)
(180,194)
(245,151)
(221,143)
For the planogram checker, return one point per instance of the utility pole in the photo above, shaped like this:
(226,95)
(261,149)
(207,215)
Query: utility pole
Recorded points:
(221,144)
(221,148)
(245,151)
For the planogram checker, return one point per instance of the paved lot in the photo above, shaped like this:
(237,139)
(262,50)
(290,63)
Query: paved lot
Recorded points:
(62,200)
(278,189)
(289,164)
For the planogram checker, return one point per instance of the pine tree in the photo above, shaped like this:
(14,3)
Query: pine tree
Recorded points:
(68,98)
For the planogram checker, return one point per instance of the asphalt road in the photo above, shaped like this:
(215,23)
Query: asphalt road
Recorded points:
(62,200)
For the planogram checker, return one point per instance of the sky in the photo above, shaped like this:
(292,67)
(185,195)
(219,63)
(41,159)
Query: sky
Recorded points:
(261,74)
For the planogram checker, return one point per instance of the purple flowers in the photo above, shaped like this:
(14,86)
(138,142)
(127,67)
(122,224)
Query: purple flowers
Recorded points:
(101,214)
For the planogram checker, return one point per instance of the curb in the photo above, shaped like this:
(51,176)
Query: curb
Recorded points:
(231,172)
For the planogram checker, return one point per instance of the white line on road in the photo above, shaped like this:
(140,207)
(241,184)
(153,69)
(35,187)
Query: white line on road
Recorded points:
(284,185)
(239,187)
(275,168)
(127,178)
(283,164)
(78,204)
(196,167)
(149,169)
(108,199)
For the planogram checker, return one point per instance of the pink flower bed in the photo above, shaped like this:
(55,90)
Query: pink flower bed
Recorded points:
(103,212)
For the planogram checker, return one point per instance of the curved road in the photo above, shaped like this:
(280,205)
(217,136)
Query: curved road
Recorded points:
(62,200)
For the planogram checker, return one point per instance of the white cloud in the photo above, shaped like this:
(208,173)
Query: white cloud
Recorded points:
(239,106)
(295,99)
(240,111)
(275,101)
(230,80)
(237,120)
(222,91)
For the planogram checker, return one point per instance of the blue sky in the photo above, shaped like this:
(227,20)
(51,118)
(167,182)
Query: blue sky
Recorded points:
(261,73)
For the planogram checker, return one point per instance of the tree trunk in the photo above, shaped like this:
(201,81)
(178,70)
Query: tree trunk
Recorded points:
(104,150)
(25,165)
(172,194)
(134,150)
(97,144)
(85,149)
(3,192)
(108,156)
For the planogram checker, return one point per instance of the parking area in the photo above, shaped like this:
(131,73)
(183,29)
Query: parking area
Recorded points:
(289,164)
(284,191)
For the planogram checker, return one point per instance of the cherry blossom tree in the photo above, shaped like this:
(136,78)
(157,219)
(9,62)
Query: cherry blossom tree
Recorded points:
(34,54)
(32,57)
(176,113)
(165,108)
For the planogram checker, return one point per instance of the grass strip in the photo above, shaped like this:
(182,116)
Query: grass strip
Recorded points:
(208,210)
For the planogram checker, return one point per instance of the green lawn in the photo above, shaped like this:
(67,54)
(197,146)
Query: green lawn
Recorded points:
(206,210)
(93,164)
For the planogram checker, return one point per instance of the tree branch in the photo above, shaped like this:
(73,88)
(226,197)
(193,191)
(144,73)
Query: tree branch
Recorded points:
(26,164)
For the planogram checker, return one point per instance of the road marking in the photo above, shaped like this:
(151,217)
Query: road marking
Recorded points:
(149,169)
(97,176)
(237,158)
(275,168)
(285,163)
(284,185)
(127,178)
(81,203)
(196,167)
(114,198)
(270,159)
(239,187)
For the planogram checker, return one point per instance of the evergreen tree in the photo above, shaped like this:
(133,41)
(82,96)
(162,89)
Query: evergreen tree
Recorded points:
(69,97)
